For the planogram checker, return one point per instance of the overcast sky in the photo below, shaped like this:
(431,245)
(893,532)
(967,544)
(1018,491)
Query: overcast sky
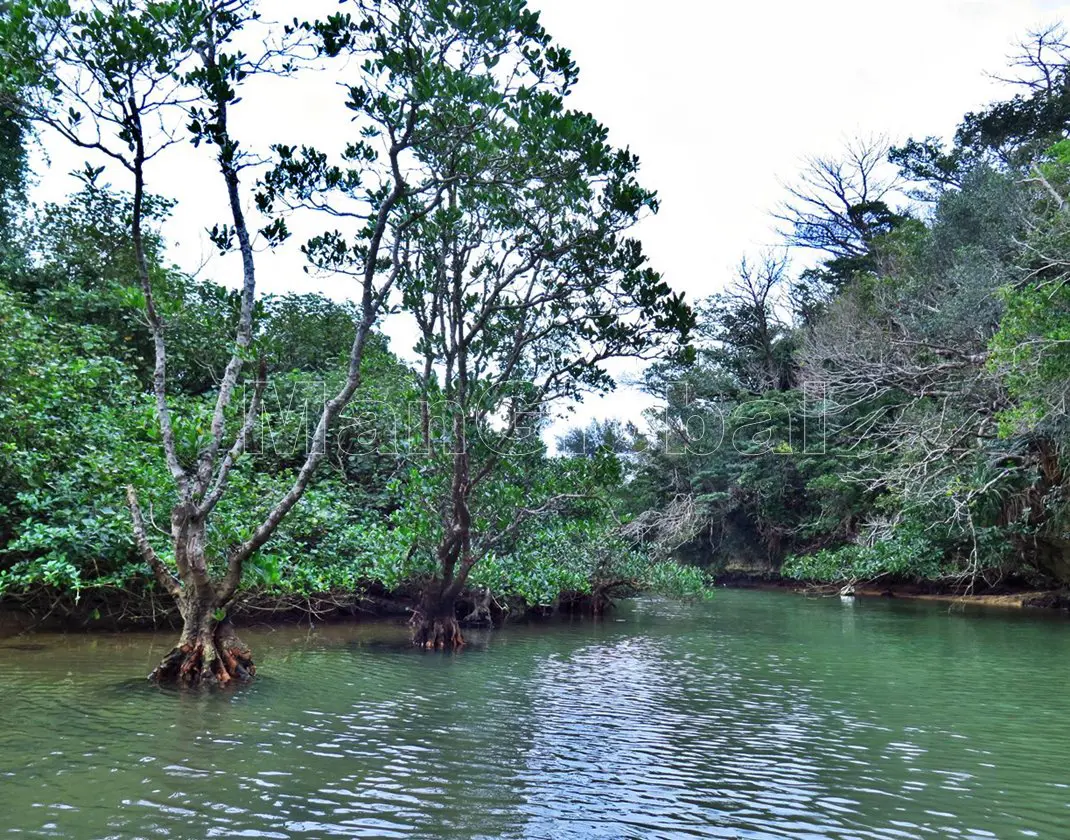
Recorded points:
(720,101)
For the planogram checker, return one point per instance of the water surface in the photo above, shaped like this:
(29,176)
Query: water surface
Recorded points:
(758,715)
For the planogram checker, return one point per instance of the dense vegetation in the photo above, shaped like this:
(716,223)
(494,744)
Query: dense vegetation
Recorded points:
(898,410)
(174,444)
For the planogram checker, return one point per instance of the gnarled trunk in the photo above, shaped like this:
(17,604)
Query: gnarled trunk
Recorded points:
(434,624)
(480,614)
(209,652)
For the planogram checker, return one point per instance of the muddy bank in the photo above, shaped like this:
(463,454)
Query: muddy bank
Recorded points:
(118,610)
(1005,596)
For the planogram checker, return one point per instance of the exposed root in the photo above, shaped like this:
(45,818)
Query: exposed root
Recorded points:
(437,633)
(213,658)
(481,616)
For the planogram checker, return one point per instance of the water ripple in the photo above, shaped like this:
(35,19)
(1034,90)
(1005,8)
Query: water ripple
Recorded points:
(760,715)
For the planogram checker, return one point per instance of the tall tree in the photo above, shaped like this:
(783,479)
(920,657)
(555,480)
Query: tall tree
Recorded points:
(746,326)
(13,168)
(600,437)
(522,284)
(839,207)
(1012,132)
(118,80)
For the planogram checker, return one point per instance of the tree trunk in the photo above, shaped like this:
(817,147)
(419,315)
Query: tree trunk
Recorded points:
(434,624)
(209,652)
(480,615)
(601,602)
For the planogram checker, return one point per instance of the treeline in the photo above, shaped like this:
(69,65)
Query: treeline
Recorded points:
(898,411)
(180,444)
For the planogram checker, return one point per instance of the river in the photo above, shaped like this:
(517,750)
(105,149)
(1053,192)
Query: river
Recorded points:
(757,715)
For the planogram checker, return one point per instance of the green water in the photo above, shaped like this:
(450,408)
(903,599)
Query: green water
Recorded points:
(757,715)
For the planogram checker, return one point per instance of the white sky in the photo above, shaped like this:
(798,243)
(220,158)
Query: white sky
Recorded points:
(721,101)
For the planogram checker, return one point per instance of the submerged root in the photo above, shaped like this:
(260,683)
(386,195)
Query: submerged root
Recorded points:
(211,659)
(438,633)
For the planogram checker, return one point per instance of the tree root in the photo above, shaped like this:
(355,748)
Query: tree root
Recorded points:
(440,633)
(213,658)
(480,616)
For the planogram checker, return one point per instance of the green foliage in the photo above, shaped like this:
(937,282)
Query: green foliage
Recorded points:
(78,426)
(74,426)
(471,99)
(601,436)
(930,357)
(1031,350)
(578,557)
(910,554)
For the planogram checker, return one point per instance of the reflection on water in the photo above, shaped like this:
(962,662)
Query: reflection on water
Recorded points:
(759,715)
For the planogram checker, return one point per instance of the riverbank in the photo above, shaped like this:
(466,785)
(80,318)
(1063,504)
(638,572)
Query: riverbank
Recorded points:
(123,610)
(1006,597)
(112,610)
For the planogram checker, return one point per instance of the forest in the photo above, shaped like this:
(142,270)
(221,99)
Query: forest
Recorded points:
(896,411)
(180,447)
(178,450)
